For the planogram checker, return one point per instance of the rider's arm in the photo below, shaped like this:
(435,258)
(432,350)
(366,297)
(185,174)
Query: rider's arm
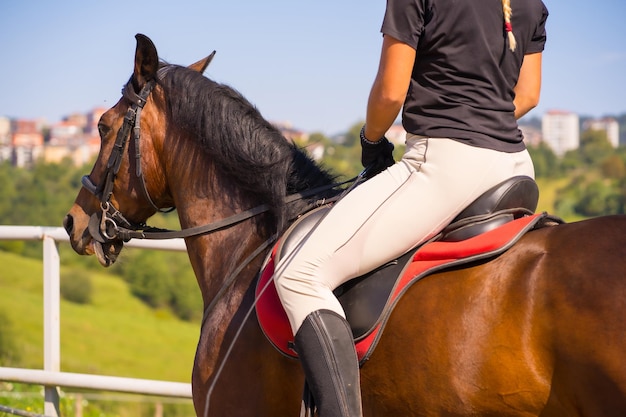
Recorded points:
(390,87)
(528,85)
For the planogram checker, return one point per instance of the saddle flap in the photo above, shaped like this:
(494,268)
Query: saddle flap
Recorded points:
(364,298)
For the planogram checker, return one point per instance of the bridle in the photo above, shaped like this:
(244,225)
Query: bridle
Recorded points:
(109,224)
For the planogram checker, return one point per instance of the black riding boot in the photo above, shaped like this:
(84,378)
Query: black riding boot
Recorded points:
(325,346)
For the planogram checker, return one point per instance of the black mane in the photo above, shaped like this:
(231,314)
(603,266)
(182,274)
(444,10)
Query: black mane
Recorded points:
(241,143)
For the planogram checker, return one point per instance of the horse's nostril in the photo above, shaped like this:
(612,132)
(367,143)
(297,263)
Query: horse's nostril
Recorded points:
(68,224)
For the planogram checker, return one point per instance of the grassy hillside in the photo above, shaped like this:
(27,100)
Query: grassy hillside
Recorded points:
(115,334)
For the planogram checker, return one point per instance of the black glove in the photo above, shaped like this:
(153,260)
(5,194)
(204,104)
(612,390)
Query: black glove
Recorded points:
(376,156)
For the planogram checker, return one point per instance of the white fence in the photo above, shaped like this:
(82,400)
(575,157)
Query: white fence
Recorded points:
(51,377)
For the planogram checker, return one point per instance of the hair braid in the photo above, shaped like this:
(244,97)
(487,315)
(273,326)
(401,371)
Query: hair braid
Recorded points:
(506,9)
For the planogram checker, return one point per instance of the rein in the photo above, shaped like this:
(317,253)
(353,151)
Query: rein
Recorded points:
(157,233)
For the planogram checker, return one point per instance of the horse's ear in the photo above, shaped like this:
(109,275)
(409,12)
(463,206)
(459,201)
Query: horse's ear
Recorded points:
(201,65)
(146,60)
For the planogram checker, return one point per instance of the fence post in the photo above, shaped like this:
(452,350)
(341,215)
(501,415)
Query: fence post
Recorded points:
(51,322)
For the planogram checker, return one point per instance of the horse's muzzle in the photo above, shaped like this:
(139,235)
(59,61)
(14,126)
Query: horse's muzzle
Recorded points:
(85,243)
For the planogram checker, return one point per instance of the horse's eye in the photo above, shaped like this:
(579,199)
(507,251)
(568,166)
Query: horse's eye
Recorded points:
(103,130)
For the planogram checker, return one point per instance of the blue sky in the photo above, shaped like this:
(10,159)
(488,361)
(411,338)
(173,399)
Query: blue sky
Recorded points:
(308,63)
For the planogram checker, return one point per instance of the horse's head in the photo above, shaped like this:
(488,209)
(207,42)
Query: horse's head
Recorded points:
(126,184)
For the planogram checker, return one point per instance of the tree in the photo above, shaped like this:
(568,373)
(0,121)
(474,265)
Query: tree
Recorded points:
(597,199)
(594,147)
(353,135)
(163,280)
(344,159)
(149,277)
(613,167)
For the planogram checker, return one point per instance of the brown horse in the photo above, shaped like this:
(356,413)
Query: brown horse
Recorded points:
(537,331)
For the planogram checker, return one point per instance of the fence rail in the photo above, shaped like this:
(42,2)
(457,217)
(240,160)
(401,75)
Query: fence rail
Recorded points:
(51,376)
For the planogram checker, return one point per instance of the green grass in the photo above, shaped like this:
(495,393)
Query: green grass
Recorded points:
(115,334)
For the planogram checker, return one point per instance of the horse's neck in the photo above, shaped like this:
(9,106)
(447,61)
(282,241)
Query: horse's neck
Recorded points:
(217,257)
(224,276)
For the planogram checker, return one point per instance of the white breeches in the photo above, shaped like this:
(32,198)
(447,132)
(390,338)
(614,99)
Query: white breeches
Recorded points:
(387,216)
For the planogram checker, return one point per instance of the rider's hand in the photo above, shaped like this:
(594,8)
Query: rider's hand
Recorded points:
(376,156)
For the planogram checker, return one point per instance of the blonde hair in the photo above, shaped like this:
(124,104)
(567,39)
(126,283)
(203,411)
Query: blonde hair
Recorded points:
(506,9)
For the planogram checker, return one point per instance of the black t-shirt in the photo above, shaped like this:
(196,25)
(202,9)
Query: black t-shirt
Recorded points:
(464,72)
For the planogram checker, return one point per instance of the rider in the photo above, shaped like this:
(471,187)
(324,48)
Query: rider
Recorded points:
(462,72)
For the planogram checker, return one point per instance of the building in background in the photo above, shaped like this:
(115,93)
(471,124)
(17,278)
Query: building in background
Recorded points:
(26,141)
(606,124)
(23,142)
(5,139)
(561,131)
(76,137)
(68,140)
